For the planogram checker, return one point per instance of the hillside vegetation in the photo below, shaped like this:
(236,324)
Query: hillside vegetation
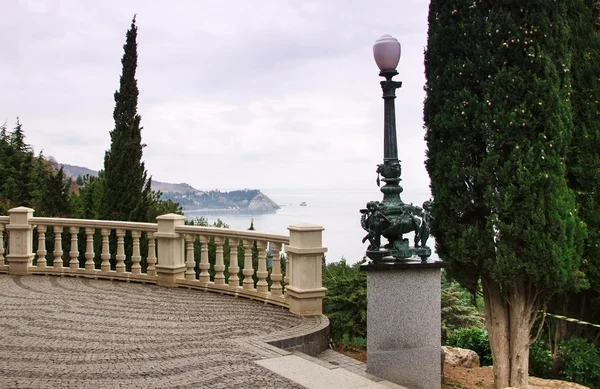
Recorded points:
(75,171)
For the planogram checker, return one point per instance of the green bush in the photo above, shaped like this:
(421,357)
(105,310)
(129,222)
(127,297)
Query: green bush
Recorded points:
(581,362)
(345,303)
(540,360)
(474,339)
(356,343)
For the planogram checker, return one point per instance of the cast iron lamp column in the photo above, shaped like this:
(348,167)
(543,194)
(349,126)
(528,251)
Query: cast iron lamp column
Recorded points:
(387,55)
(392,218)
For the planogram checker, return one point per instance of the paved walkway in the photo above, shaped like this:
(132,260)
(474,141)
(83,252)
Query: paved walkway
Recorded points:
(316,373)
(62,332)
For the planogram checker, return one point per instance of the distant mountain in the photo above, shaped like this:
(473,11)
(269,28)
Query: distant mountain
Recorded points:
(191,198)
(252,200)
(75,171)
(165,187)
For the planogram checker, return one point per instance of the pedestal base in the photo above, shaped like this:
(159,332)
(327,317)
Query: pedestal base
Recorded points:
(168,275)
(18,265)
(384,255)
(404,322)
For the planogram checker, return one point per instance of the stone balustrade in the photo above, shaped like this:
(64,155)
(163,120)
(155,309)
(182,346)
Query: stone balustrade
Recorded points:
(169,253)
(3,264)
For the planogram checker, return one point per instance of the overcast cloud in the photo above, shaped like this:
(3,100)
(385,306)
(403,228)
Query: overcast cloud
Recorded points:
(233,94)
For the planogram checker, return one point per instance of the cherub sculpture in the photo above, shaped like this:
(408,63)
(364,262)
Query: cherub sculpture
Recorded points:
(425,222)
(372,221)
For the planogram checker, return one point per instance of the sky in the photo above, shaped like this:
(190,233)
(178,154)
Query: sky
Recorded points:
(233,94)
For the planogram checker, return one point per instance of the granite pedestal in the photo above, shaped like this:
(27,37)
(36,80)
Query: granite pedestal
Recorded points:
(404,322)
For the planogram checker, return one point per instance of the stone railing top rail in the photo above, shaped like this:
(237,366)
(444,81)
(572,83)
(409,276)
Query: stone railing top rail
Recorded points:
(112,224)
(153,227)
(230,233)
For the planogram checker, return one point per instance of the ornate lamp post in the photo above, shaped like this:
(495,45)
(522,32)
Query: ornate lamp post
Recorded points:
(391,218)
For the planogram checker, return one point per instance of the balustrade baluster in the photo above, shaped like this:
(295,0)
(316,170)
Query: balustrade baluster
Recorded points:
(204,264)
(234,269)
(151,260)
(58,252)
(190,263)
(74,253)
(262,285)
(2,244)
(248,271)
(41,251)
(105,255)
(288,268)
(276,288)
(89,249)
(136,257)
(219,263)
(120,257)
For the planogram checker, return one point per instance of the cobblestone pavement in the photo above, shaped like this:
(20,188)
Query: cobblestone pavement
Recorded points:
(61,332)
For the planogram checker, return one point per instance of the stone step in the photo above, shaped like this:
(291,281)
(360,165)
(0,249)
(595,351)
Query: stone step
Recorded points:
(313,373)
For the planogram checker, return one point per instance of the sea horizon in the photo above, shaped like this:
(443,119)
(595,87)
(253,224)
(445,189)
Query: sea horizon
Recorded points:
(335,209)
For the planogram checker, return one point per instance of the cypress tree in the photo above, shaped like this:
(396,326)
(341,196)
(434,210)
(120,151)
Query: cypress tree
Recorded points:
(583,174)
(127,191)
(498,124)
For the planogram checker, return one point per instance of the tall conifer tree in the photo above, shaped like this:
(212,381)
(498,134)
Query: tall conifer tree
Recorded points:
(21,185)
(583,166)
(127,191)
(499,123)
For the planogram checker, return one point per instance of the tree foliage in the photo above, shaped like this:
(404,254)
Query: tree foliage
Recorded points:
(457,310)
(29,180)
(159,206)
(580,362)
(499,123)
(55,189)
(583,172)
(345,303)
(126,191)
(86,203)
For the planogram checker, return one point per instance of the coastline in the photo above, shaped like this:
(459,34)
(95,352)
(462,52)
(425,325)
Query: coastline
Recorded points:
(228,211)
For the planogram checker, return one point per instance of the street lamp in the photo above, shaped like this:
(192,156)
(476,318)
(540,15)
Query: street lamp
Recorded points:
(391,218)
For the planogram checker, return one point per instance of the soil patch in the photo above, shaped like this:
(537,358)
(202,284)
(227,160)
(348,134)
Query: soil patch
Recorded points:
(483,378)
(473,378)
(360,355)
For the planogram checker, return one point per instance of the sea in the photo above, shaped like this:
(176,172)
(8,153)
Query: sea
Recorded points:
(336,210)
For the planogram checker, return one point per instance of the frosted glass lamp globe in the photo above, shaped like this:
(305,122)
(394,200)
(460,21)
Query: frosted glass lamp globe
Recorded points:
(386,51)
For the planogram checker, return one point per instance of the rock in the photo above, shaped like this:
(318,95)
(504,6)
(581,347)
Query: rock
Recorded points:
(260,202)
(460,357)
(539,383)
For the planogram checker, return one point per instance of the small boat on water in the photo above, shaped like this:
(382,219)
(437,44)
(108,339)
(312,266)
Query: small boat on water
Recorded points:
(303,204)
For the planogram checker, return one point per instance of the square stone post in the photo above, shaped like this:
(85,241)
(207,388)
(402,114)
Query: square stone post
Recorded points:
(171,250)
(20,241)
(404,322)
(305,291)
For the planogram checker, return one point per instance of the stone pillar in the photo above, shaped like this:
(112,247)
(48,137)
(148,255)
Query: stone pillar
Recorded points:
(20,241)
(404,322)
(305,291)
(171,250)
